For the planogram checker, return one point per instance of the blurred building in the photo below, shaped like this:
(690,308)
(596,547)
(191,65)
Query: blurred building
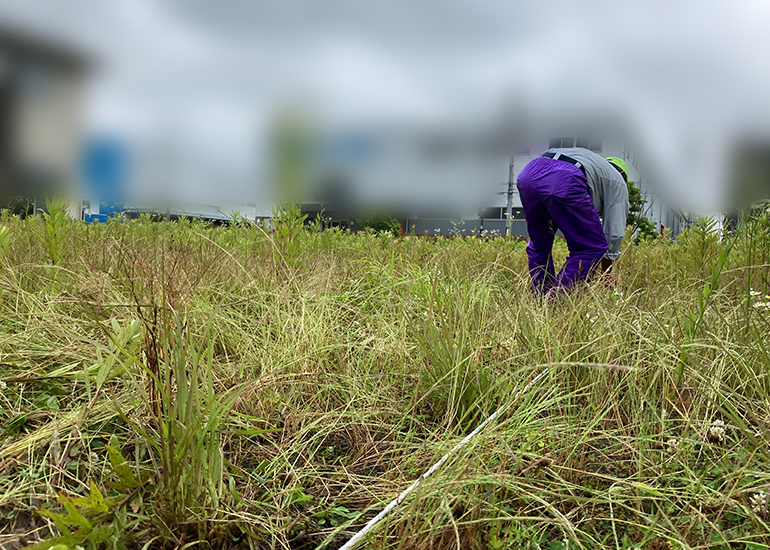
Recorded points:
(655,208)
(165,179)
(41,92)
(123,177)
(433,180)
(442,181)
(104,177)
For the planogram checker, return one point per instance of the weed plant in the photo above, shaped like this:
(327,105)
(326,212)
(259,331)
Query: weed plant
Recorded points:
(170,385)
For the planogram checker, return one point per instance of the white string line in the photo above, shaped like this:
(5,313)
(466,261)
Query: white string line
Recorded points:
(398,500)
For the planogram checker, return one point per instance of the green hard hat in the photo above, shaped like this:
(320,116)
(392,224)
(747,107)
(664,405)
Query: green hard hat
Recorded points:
(620,165)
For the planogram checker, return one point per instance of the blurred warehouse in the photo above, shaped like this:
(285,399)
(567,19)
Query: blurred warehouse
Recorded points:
(124,178)
(441,179)
(41,100)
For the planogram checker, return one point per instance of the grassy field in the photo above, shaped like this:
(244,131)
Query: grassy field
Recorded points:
(178,385)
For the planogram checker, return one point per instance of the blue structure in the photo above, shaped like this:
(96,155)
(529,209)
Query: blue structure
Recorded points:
(105,167)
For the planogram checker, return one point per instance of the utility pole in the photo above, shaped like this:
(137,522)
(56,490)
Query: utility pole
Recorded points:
(508,208)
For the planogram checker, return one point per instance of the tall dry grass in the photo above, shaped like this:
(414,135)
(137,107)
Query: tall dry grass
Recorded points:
(244,388)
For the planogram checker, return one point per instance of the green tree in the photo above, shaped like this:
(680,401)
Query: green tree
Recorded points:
(643,227)
(381,222)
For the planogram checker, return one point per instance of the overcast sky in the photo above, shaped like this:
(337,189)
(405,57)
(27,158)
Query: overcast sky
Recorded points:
(685,76)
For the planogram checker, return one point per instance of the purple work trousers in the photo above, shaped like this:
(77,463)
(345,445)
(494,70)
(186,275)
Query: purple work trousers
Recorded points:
(554,194)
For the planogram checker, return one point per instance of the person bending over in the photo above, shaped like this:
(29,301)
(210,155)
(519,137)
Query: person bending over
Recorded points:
(583,195)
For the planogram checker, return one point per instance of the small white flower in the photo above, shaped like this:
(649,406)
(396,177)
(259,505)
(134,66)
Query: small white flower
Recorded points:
(672,445)
(3,385)
(758,501)
(716,431)
(762,305)
(361,333)
(753,292)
